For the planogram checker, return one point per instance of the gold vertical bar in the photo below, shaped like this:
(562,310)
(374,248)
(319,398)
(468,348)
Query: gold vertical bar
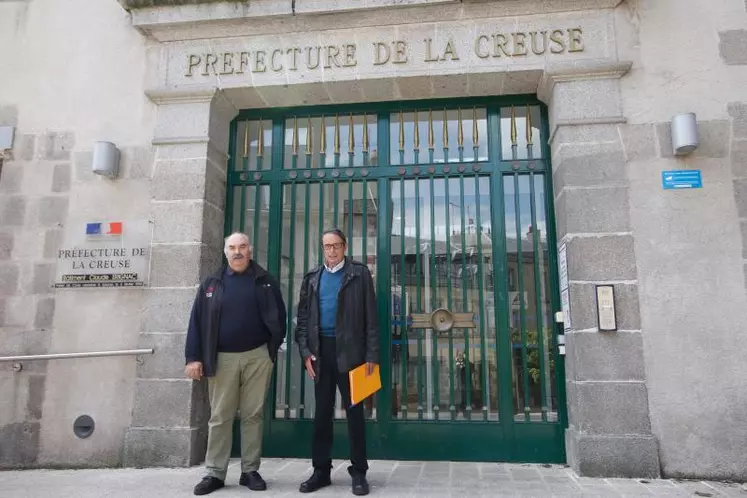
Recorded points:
(365,133)
(460,129)
(401,131)
(309,145)
(295,135)
(514,134)
(446,130)
(260,139)
(475,137)
(323,137)
(431,134)
(337,133)
(529,125)
(246,138)
(351,135)
(416,138)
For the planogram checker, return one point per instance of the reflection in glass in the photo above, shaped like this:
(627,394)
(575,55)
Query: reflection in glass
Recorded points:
(308,210)
(441,240)
(438,136)
(251,215)
(530,324)
(348,140)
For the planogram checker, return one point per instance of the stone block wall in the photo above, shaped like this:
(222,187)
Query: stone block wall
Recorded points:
(35,182)
(188,198)
(690,261)
(46,185)
(609,431)
(689,244)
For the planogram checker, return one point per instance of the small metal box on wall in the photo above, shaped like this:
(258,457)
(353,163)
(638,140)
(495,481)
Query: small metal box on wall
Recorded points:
(606,314)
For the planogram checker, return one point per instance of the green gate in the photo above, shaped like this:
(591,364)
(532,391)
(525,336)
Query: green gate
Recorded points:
(449,204)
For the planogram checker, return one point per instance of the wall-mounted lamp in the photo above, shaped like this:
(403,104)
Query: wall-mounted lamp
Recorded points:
(685,137)
(105,159)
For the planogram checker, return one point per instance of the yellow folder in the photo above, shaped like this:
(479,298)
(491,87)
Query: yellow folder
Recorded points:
(361,385)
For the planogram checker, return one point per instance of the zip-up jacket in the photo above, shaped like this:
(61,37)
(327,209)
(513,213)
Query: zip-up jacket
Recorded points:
(204,322)
(357,324)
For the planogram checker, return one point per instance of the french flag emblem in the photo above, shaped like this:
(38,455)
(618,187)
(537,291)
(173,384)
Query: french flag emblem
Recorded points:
(111,228)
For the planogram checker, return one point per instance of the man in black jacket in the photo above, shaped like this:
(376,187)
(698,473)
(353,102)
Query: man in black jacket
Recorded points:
(337,330)
(237,325)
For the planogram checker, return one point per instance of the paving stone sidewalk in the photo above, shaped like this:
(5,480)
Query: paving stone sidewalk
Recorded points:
(387,478)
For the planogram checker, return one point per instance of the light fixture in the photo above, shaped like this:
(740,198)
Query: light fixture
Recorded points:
(685,137)
(105,159)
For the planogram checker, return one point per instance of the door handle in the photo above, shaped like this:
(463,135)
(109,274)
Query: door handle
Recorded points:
(443,320)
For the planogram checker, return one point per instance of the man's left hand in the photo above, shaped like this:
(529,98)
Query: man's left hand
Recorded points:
(370,368)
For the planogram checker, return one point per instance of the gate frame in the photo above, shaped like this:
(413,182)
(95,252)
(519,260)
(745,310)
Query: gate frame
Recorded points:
(520,441)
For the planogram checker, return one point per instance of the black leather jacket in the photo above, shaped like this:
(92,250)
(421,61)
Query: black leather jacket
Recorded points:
(357,329)
(204,323)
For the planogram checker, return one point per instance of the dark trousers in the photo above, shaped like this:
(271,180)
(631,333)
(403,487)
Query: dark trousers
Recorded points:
(328,380)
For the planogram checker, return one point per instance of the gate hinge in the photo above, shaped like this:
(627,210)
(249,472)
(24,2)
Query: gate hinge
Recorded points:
(561,344)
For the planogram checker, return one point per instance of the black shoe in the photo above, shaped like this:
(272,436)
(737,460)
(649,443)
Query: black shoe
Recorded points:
(208,485)
(253,481)
(317,481)
(360,485)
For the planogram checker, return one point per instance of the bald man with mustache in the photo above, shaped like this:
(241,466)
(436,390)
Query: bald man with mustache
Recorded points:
(237,325)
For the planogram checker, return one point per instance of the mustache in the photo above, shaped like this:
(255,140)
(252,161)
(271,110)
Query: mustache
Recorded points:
(237,256)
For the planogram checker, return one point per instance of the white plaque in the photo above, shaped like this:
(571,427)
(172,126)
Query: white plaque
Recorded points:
(104,254)
(565,302)
(606,308)
(563,267)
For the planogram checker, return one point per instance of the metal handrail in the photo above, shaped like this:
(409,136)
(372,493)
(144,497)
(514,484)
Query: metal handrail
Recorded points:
(91,354)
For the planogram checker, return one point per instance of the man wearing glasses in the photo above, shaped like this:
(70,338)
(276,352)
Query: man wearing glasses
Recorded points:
(337,330)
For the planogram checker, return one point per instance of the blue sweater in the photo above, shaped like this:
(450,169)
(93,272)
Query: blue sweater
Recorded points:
(329,287)
(241,325)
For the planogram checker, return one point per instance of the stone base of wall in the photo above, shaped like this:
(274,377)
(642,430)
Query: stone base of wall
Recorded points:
(164,447)
(612,456)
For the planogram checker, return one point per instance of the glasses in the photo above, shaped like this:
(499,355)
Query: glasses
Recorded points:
(335,246)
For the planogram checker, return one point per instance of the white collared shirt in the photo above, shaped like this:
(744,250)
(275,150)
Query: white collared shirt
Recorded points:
(336,268)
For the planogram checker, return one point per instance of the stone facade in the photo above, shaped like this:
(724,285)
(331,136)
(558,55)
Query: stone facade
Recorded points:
(188,185)
(34,195)
(657,397)
(609,430)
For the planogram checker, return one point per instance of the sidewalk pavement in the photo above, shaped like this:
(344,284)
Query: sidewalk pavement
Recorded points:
(387,479)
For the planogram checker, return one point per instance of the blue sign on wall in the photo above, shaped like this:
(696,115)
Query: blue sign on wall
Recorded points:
(686,178)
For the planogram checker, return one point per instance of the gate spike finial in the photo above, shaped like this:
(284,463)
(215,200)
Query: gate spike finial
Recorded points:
(431,139)
(309,142)
(246,138)
(529,125)
(365,133)
(475,137)
(260,139)
(351,135)
(416,138)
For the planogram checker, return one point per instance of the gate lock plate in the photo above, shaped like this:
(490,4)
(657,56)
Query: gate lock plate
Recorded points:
(443,320)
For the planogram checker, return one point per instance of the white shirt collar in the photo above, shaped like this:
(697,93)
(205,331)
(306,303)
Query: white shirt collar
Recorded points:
(336,268)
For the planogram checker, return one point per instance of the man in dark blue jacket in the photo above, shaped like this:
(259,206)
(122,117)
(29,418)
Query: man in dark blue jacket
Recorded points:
(237,325)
